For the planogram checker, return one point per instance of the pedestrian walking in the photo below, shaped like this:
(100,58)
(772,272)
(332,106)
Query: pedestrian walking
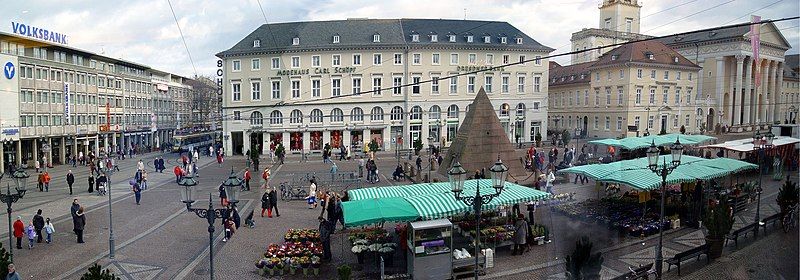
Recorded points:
(247,178)
(273,202)
(49,229)
(137,192)
(144,180)
(178,173)
(325,236)
(550,179)
(312,195)
(140,165)
(38,224)
(360,167)
(334,170)
(40,181)
(36,165)
(219,159)
(12,273)
(195,170)
(223,197)
(520,235)
(30,232)
(265,204)
(80,223)
(265,175)
(419,164)
(210,151)
(91,183)
(70,180)
(196,155)
(19,231)
(46,180)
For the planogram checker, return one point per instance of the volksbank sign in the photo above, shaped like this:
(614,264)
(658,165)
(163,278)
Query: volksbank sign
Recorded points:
(38,33)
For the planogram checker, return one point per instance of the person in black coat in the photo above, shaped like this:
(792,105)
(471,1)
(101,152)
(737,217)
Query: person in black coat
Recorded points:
(273,203)
(325,236)
(91,183)
(265,204)
(70,181)
(38,225)
(223,197)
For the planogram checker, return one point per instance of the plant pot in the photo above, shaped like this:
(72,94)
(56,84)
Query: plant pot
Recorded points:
(714,247)
(272,272)
(316,271)
(305,271)
(263,271)
(292,270)
(360,258)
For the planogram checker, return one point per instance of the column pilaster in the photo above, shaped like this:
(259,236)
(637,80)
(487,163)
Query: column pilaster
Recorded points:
(748,94)
(736,96)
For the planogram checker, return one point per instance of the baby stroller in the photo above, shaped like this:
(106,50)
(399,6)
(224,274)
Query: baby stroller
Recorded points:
(101,189)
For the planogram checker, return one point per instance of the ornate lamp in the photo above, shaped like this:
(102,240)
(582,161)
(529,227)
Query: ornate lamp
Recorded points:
(187,192)
(676,149)
(652,156)
(457,176)
(499,171)
(232,186)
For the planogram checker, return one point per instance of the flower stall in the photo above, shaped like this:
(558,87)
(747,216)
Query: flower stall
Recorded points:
(301,250)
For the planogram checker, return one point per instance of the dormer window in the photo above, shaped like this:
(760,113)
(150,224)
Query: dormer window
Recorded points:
(675,59)
(519,41)
(451,38)
(572,78)
(487,39)
(256,43)
(469,38)
(295,41)
(503,40)
(650,56)
(434,38)
(415,38)
(376,38)
(335,39)
(614,57)
(583,76)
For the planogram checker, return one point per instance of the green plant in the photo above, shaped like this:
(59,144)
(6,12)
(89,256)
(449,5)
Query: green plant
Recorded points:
(582,263)
(373,145)
(788,195)
(418,144)
(279,150)
(96,272)
(565,137)
(683,129)
(5,260)
(718,220)
(538,137)
(344,272)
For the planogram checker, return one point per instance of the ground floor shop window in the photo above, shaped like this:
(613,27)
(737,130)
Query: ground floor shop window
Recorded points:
(316,140)
(535,128)
(377,136)
(355,140)
(296,141)
(452,130)
(336,138)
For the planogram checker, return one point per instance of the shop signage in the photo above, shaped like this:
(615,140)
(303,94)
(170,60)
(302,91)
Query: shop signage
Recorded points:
(334,70)
(38,33)
(220,72)
(473,68)
(9,70)
(66,104)
(10,131)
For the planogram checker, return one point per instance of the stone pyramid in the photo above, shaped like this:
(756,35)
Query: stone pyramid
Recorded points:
(480,139)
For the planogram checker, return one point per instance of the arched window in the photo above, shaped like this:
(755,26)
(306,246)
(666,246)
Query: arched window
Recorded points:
(337,115)
(435,113)
(256,118)
(521,110)
(416,113)
(357,115)
(376,114)
(316,116)
(296,117)
(504,110)
(452,112)
(275,117)
(397,113)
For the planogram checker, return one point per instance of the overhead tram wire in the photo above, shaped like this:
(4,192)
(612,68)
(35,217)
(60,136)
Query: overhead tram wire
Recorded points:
(754,11)
(691,15)
(182,37)
(518,63)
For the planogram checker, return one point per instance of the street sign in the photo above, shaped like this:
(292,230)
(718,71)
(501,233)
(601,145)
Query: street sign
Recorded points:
(45,148)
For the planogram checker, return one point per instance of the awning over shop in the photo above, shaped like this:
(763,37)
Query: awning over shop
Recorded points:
(425,201)
(746,145)
(636,174)
(632,143)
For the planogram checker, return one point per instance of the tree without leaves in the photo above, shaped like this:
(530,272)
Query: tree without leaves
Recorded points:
(96,272)
(582,264)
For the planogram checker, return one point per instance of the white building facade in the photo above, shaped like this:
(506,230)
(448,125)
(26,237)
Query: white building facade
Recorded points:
(307,84)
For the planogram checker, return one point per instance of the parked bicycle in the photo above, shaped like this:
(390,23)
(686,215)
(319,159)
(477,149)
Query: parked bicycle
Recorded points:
(789,218)
(292,193)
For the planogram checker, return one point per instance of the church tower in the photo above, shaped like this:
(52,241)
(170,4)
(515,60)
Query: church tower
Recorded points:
(618,23)
(620,15)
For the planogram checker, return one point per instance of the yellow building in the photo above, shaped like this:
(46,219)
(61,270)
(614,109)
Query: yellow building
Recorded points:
(637,88)
(790,92)
(618,23)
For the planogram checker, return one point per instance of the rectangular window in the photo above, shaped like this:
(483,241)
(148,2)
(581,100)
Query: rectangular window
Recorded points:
(435,59)
(690,76)
(472,59)
(686,121)
(666,75)
(255,90)
(276,63)
(504,84)
(316,61)
(652,96)
(688,95)
(678,76)
(415,87)
(434,38)
(237,115)
(536,106)
(621,74)
(453,85)
(636,121)
(608,96)
(315,88)
(620,96)
(376,59)
(416,59)
(677,96)
(357,86)
(638,73)
(586,98)
(638,96)
(537,60)
(295,62)
(506,58)
(619,123)
(665,96)
(521,84)
(397,83)
(488,84)
(652,74)
(236,91)
(537,81)
(276,89)
(255,65)
(336,87)
(522,59)
(377,83)
(471,84)
(295,88)
(336,60)
(596,97)
(596,122)
(489,59)
(650,121)
(356,59)
(453,59)
(608,123)
(398,59)
(237,65)
(434,85)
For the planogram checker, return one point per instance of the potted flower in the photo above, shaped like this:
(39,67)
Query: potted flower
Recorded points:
(718,222)
(262,265)
(305,263)
(272,265)
(787,196)
(316,262)
(294,263)
(281,265)
(359,248)
(387,252)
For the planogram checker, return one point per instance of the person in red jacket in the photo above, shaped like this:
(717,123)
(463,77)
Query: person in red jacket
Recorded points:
(178,173)
(247,179)
(19,231)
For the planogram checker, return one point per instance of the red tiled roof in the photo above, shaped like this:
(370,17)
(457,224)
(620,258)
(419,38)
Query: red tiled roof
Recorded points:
(570,74)
(651,52)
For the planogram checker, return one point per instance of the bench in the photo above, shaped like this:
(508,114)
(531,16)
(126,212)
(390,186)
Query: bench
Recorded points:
(638,273)
(774,218)
(742,231)
(682,256)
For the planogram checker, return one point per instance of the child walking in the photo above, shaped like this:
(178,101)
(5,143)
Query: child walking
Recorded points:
(31,233)
(49,229)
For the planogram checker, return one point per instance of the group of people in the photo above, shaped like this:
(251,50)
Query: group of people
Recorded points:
(34,230)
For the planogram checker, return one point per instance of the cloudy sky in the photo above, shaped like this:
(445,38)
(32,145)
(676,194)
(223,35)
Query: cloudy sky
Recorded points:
(145,31)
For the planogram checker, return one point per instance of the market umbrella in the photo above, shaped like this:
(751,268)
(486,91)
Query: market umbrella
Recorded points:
(372,211)
(376,192)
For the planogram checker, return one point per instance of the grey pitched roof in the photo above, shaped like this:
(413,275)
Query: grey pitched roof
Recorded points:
(358,33)
(720,34)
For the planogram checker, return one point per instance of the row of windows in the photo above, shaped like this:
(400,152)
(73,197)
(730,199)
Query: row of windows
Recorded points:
(378,86)
(377,59)
(620,126)
(376,114)
(58,75)
(578,98)
(55,120)
(376,38)
(639,75)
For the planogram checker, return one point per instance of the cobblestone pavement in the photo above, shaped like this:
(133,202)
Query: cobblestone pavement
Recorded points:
(160,240)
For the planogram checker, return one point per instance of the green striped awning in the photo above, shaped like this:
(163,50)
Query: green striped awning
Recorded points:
(632,143)
(372,211)
(377,192)
(435,206)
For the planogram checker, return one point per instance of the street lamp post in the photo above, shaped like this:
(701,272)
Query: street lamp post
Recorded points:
(21,179)
(108,170)
(430,157)
(663,170)
(210,214)
(761,144)
(647,126)
(457,176)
